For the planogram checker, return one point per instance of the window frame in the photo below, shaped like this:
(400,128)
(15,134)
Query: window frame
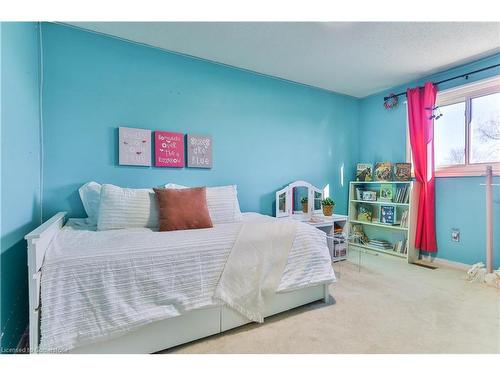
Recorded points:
(464,93)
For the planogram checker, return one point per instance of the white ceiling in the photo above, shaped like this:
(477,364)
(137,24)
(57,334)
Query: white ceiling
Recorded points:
(352,58)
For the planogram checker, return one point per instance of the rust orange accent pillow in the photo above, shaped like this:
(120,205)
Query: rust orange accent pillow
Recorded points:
(181,209)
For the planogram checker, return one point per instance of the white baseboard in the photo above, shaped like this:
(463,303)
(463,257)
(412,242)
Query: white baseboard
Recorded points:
(446,263)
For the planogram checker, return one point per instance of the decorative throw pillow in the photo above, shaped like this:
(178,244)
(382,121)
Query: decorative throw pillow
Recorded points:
(222,203)
(90,194)
(181,209)
(127,208)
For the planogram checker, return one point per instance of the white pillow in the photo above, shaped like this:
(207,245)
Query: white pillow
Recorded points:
(222,202)
(90,194)
(127,208)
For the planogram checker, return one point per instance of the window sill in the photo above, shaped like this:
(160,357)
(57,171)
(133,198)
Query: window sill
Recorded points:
(467,171)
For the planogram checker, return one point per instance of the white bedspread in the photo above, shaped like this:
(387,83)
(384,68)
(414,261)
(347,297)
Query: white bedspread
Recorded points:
(98,285)
(253,270)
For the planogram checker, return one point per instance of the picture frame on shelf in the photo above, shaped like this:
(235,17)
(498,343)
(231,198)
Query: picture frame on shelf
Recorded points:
(369,195)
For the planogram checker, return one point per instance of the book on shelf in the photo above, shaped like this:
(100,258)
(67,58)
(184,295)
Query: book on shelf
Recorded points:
(365,212)
(388,215)
(402,194)
(383,171)
(386,192)
(401,247)
(402,171)
(404,219)
(380,244)
(364,172)
(359,193)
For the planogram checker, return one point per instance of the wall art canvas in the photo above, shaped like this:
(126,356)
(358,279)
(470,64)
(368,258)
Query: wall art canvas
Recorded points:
(199,151)
(134,146)
(169,149)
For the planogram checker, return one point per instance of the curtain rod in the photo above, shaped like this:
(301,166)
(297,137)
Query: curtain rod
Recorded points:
(466,75)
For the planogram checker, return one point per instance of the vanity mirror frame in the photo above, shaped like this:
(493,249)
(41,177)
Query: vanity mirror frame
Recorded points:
(289,200)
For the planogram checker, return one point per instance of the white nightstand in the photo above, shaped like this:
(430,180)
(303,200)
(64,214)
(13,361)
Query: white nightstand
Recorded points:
(329,224)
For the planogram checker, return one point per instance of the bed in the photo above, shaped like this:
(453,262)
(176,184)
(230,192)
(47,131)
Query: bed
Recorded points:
(142,291)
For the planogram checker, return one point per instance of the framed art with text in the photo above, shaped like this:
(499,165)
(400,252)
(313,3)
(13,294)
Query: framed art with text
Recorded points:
(169,149)
(199,151)
(134,146)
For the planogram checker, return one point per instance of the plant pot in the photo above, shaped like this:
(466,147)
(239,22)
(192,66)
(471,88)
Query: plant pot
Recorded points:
(304,208)
(328,210)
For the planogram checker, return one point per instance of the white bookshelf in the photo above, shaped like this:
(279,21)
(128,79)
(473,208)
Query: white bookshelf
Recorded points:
(376,230)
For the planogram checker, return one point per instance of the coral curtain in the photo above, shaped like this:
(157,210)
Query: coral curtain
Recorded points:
(421,101)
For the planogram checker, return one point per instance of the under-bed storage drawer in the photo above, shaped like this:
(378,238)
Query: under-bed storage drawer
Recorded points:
(282,302)
(162,334)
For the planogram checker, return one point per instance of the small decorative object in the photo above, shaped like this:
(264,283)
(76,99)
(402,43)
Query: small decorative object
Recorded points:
(369,195)
(304,202)
(134,146)
(169,149)
(391,101)
(388,215)
(434,113)
(383,171)
(328,205)
(364,172)
(476,273)
(402,171)
(365,212)
(493,279)
(386,193)
(358,235)
(199,151)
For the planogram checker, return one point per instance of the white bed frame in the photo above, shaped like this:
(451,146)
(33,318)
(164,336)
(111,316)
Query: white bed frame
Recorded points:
(159,335)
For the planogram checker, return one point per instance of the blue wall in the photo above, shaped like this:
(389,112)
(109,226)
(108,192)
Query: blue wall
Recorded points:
(266,132)
(20,175)
(460,201)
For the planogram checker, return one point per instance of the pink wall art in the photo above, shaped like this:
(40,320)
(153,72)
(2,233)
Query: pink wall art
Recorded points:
(134,146)
(169,149)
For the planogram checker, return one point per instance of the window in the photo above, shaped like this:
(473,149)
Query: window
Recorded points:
(449,136)
(467,135)
(485,129)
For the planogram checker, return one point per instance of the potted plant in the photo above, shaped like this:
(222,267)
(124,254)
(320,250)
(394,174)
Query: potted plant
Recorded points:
(304,204)
(328,205)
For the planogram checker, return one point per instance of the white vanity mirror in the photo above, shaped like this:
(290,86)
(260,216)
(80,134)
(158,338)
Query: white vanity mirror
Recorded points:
(299,200)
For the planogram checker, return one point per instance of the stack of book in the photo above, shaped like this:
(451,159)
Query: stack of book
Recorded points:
(404,219)
(380,244)
(402,194)
(401,247)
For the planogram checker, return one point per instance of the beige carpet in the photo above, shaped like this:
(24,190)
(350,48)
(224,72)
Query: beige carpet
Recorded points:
(388,307)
